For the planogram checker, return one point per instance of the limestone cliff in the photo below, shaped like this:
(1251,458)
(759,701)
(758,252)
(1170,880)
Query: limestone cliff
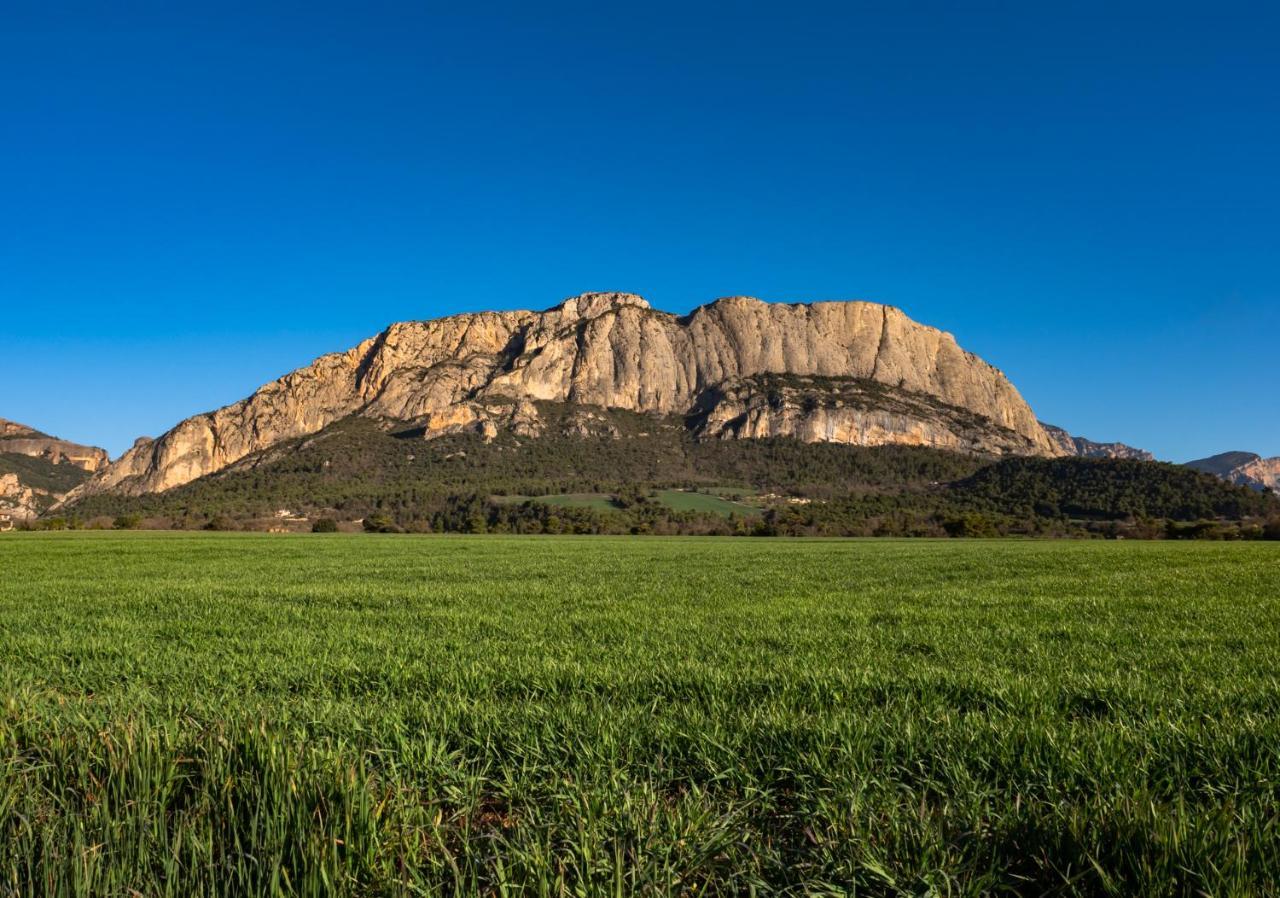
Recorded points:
(477,371)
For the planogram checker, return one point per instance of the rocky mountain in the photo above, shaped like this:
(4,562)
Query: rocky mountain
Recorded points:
(1081,447)
(37,470)
(1243,468)
(850,372)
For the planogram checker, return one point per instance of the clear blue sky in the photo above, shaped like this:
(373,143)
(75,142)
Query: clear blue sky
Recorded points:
(197,198)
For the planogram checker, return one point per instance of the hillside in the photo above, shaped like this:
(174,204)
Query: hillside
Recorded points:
(600,470)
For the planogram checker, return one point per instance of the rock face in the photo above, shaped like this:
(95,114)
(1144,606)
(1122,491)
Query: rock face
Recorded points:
(484,371)
(23,440)
(1084,448)
(1243,468)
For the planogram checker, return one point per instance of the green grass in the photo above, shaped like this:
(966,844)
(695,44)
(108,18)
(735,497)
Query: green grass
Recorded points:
(233,714)
(682,500)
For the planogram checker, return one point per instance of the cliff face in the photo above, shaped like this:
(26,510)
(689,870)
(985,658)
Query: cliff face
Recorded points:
(20,439)
(613,350)
(1085,448)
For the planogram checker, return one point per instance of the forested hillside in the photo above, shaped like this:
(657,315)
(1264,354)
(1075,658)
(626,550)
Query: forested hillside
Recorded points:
(615,471)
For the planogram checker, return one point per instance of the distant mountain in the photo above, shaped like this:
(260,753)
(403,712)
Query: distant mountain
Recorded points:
(1243,468)
(37,470)
(856,373)
(1085,448)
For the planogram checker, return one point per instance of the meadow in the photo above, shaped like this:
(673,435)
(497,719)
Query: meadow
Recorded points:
(237,714)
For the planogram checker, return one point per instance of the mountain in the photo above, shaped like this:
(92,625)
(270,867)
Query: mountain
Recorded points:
(37,470)
(1081,447)
(1243,468)
(856,373)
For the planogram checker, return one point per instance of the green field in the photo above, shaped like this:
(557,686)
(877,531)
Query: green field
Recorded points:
(684,500)
(198,714)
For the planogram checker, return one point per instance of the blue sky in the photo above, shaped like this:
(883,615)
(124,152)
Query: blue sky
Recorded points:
(197,199)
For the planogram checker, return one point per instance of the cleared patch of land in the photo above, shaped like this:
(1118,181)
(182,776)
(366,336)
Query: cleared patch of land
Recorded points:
(687,500)
(251,714)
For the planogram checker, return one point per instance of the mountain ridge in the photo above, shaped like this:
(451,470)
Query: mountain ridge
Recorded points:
(484,370)
(1083,447)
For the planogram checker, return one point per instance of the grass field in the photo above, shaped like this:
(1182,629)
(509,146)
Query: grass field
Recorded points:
(241,714)
(683,500)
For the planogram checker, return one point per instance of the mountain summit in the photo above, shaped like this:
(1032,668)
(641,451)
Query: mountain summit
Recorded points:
(849,372)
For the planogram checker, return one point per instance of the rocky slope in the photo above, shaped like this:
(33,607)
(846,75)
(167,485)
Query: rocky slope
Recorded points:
(884,379)
(1243,468)
(37,470)
(1085,448)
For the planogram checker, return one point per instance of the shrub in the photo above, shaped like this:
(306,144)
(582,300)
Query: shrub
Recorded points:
(380,523)
(325,525)
(127,522)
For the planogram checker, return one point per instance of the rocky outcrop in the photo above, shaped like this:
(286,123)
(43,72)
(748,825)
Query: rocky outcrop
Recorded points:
(856,411)
(19,502)
(1242,468)
(23,440)
(1084,448)
(484,371)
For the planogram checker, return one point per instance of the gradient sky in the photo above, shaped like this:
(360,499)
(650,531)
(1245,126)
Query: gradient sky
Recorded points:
(197,199)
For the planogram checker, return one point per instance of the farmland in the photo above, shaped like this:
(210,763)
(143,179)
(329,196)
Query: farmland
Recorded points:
(238,714)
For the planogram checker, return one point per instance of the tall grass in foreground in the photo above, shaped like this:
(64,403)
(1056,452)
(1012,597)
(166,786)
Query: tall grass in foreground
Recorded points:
(246,715)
